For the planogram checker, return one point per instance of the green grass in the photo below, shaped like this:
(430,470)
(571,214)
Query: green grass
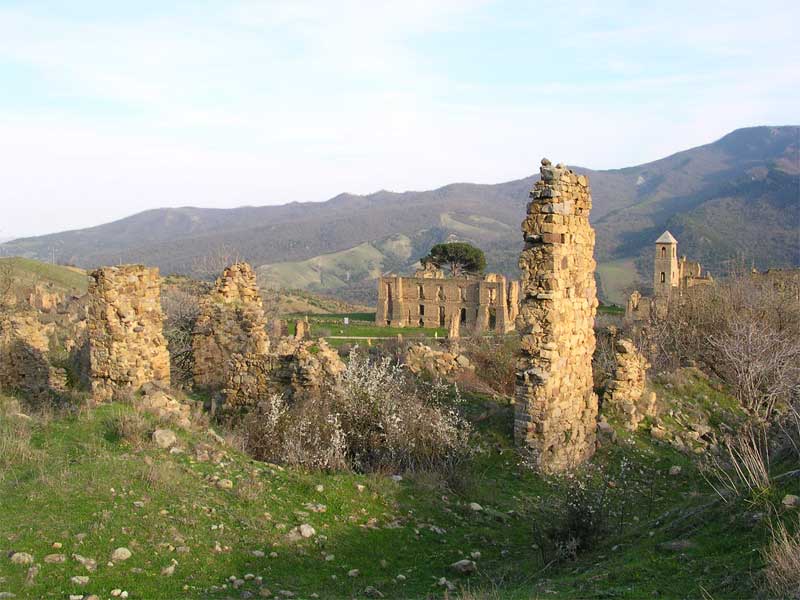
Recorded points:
(361,325)
(616,276)
(28,271)
(77,480)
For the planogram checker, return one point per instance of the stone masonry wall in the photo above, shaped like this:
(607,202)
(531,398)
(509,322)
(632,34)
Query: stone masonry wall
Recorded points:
(556,408)
(293,368)
(624,395)
(127,348)
(231,322)
(24,355)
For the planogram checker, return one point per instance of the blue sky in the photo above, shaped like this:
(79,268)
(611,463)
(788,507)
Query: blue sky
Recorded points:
(110,108)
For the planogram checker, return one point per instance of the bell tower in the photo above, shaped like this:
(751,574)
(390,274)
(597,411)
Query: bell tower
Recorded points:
(665,272)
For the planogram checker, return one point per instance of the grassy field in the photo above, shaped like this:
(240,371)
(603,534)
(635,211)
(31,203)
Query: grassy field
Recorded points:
(27,271)
(361,325)
(616,276)
(91,481)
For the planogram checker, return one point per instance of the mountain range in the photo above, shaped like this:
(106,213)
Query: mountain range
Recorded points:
(737,198)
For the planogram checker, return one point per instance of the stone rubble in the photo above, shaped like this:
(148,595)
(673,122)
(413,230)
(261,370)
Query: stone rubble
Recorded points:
(420,358)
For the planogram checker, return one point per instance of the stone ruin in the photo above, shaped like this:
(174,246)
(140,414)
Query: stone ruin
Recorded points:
(429,299)
(231,322)
(293,368)
(442,364)
(127,348)
(25,355)
(556,407)
(624,394)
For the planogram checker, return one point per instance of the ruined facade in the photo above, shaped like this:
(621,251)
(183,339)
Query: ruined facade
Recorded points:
(231,321)
(127,348)
(429,299)
(624,395)
(556,408)
(672,278)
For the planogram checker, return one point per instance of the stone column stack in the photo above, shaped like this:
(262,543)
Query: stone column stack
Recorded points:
(556,408)
(625,391)
(127,347)
(231,322)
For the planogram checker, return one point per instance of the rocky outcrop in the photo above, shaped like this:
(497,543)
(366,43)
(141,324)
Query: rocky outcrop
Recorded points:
(420,358)
(625,395)
(126,344)
(231,322)
(556,408)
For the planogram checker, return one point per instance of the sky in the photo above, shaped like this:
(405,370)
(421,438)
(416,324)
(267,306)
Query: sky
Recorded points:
(111,108)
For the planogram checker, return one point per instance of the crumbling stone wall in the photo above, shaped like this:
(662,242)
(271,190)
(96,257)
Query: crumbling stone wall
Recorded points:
(231,322)
(24,355)
(625,392)
(556,408)
(127,348)
(293,368)
(420,358)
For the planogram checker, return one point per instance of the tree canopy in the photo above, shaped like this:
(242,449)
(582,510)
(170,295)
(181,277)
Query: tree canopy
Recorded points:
(460,257)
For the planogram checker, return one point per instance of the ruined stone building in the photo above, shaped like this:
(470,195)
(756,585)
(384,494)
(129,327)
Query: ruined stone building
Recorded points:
(127,348)
(231,321)
(429,299)
(556,407)
(672,277)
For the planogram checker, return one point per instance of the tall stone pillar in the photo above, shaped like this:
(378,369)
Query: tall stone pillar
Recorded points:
(556,408)
(127,347)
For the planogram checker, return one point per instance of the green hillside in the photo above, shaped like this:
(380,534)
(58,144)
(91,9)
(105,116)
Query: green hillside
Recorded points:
(26,272)
(83,483)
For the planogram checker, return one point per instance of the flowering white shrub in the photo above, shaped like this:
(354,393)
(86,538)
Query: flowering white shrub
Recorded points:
(377,418)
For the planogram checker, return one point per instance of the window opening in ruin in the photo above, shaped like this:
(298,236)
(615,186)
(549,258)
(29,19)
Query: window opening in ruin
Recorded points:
(663,253)
(421,310)
(440,293)
(663,277)
(492,318)
(463,316)
(420,292)
(492,295)
(462,293)
(441,316)
(389,302)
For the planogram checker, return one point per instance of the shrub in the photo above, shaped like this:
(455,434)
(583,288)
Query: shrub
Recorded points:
(495,359)
(744,329)
(744,466)
(181,309)
(125,425)
(782,560)
(378,418)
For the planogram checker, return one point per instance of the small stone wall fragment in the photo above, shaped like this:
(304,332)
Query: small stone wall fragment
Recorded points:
(556,408)
(420,358)
(293,368)
(127,348)
(625,392)
(231,322)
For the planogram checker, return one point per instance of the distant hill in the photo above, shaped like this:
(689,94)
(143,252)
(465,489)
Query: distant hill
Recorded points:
(738,197)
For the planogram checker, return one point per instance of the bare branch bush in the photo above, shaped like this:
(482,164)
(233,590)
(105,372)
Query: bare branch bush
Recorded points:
(209,266)
(181,309)
(377,419)
(782,562)
(744,329)
(742,469)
